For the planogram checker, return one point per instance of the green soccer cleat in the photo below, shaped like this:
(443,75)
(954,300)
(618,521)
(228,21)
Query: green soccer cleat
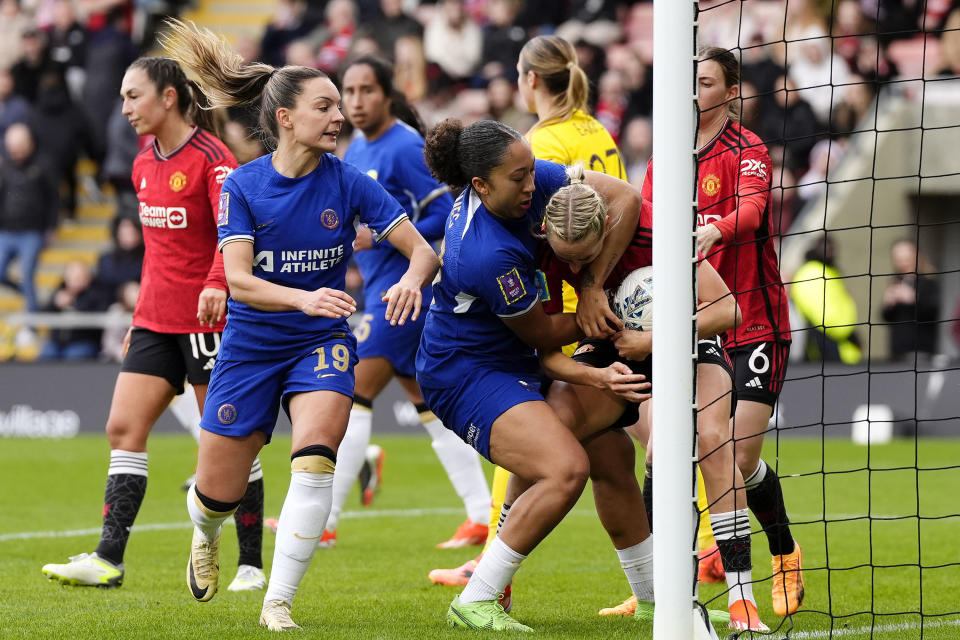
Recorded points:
(203,568)
(86,570)
(487,615)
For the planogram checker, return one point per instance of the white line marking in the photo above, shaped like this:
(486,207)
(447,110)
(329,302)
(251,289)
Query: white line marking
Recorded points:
(862,631)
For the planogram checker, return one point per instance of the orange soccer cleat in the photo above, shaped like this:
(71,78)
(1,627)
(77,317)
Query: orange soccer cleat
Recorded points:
(625,608)
(787,581)
(710,566)
(468,534)
(744,617)
(455,577)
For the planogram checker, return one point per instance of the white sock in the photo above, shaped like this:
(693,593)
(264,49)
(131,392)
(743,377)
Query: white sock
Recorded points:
(185,409)
(637,563)
(350,458)
(206,521)
(757,476)
(727,527)
(132,463)
(504,512)
(462,464)
(256,472)
(304,512)
(493,573)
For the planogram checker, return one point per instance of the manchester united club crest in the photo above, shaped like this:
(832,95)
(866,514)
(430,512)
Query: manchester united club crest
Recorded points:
(330,219)
(178,181)
(710,185)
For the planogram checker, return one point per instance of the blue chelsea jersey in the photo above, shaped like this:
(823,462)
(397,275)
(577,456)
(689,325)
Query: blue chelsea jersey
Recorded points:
(302,230)
(488,273)
(395,160)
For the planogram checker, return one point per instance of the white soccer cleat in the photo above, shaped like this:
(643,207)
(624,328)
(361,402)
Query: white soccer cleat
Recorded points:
(249,578)
(203,568)
(275,616)
(86,570)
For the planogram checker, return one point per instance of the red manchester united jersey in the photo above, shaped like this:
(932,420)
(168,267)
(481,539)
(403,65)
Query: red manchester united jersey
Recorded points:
(178,196)
(639,253)
(734,169)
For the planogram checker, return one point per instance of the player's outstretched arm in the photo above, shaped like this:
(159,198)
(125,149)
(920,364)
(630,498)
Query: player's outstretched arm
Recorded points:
(544,332)
(718,310)
(404,299)
(267,296)
(616,378)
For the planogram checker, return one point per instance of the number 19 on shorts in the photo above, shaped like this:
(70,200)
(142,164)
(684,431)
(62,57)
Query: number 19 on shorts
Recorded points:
(338,353)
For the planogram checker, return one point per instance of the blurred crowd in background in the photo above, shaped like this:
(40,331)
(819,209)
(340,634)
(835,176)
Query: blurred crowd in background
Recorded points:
(811,72)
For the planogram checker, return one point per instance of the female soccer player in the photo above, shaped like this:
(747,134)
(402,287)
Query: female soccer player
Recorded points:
(286,227)
(553,86)
(390,151)
(179,315)
(736,234)
(575,224)
(477,366)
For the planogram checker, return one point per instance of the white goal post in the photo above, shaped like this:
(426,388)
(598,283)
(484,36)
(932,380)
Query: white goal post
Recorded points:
(674,325)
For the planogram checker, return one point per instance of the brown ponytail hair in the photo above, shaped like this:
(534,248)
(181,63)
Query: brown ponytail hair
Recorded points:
(555,62)
(191,102)
(228,81)
(730,67)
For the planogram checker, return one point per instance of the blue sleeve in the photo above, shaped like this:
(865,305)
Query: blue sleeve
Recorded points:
(234,220)
(370,201)
(413,172)
(507,283)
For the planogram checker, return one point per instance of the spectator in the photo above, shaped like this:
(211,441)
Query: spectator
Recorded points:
(34,61)
(109,52)
(76,293)
(502,40)
(637,146)
(28,209)
(13,107)
(611,103)
(501,99)
(393,25)
(337,34)
(453,42)
(124,262)
(121,148)
(950,43)
(410,68)
(790,122)
(68,46)
(244,146)
(13,23)
(63,132)
(911,303)
(289,23)
(111,346)
(821,297)
(301,53)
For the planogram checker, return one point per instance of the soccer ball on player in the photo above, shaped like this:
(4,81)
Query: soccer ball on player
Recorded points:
(633,300)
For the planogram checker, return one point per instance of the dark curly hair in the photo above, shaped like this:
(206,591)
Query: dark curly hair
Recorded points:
(457,154)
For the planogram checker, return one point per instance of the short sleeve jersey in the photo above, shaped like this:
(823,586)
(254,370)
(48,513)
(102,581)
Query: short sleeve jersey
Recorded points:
(395,160)
(178,195)
(639,253)
(302,230)
(736,162)
(579,138)
(488,273)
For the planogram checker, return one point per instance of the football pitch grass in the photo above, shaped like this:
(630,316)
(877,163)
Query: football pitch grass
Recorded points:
(374,583)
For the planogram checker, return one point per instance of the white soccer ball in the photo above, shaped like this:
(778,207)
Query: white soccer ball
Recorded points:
(633,300)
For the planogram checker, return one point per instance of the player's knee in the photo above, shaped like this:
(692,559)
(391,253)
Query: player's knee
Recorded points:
(316,459)
(613,464)
(572,472)
(123,434)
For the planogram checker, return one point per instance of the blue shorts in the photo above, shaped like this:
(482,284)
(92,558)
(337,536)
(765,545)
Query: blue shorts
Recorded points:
(470,408)
(397,344)
(244,397)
